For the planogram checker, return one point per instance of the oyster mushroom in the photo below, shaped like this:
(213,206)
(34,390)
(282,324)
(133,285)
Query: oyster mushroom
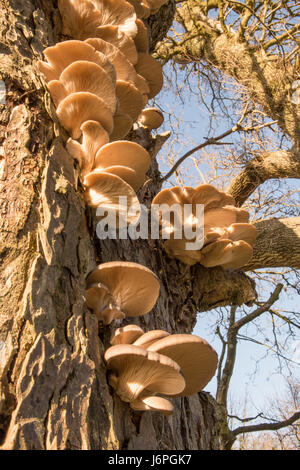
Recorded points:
(137,371)
(133,287)
(196,358)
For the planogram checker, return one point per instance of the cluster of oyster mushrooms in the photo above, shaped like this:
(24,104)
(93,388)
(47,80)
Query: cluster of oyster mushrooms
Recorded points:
(228,237)
(100,81)
(143,365)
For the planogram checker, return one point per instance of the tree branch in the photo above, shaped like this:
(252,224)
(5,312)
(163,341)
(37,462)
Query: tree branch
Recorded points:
(267,426)
(268,165)
(277,244)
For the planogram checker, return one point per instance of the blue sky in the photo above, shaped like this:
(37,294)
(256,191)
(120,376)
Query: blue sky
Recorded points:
(192,129)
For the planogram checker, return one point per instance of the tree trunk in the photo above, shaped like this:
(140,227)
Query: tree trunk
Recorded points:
(53,387)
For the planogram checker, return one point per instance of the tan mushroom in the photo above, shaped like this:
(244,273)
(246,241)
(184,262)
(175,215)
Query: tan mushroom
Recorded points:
(99,299)
(122,126)
(77,108)
(146,339)
(155,5)
(151,70)
(129,98)
(94,136)
(227,237)
(151,118)
(119,13)
(89,77)
(81,18)
(63,54)
(133,287)
(160,404)
(196,358)
(123,68)
(126,335)
(119,39)
(137,371)
(127,154)
(113,195)
(226,253)
(141,39)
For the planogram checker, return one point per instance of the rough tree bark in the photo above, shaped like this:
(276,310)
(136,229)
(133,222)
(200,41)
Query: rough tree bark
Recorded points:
(53,388)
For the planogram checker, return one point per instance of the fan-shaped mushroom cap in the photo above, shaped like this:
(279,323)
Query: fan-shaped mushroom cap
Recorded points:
(122,126)
(94,136)
(126,174)
(63,54)
(155,5)
(130,99)
(152,118)
(123,68)
(104,190)
(141,39)
(117,12)
(245,232)
(89,77)
(134,287)
(77,108)
(226,253)
(160,404)
(57,91)
(126,335)
(119,39)
(145,340)
(81,18)
(125,153)
(196,358)
(137,370)
(151,70)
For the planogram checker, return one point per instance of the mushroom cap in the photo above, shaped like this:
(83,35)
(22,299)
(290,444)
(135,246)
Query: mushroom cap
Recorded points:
(155,5)
(126,174)
(123,68)
(226,253)
(89,77)
(144,340)
(152,118)
(130,99)
(57,91)
(151,70)
(196,358)
(125,44)
(141,39)
(65,53)
(105,190)
(125,153)
(80,18)
(117,12)
(160,404)
(141,371)
(245,232)
(126,335)
(77,108)
(175,195)
(122,126)
(94,136)
(134,287)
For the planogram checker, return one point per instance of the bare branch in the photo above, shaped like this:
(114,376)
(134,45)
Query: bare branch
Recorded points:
(267,426)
